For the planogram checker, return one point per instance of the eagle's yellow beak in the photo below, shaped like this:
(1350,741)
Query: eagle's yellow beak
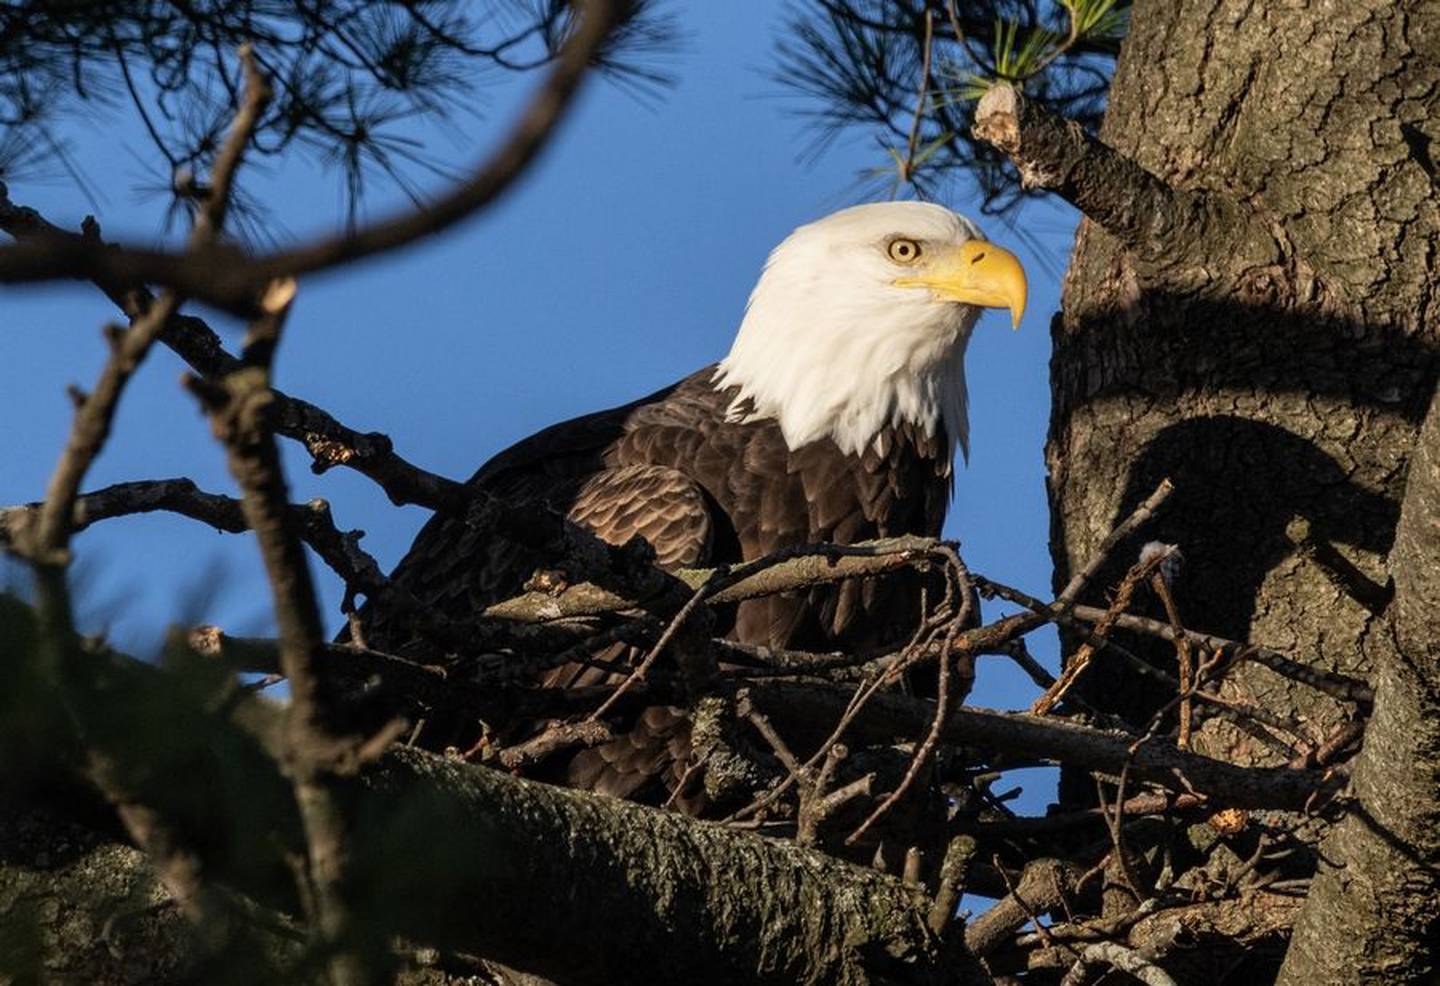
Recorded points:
(975,273)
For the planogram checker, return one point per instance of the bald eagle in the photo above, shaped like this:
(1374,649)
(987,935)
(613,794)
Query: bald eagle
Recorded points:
(833,418)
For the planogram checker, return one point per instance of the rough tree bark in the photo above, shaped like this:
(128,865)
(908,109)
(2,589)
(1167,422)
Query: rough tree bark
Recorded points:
(1270,344)
(1373,911)
(643,896)
(1266,335)
(493,865)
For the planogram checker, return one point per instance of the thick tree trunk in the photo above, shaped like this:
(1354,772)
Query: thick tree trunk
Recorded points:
(1269,345)
(1252,313)
(1374,909)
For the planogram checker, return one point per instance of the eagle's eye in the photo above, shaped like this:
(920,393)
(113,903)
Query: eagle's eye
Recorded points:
(904,251)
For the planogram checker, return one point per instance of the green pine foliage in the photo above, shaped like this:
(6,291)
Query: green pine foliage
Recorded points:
(912,70)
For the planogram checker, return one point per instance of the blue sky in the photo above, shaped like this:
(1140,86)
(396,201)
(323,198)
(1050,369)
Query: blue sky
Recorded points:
(620,263)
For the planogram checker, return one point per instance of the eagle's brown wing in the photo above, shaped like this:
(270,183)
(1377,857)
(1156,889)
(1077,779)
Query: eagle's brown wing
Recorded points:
(703,488)
(769,497)
(660,504)
(458,569)
(670,511)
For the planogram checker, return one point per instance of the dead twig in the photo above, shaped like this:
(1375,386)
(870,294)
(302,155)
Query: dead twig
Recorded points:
(942,702)
(1330,750)
(817,802)
(558,736)
(1140,804)
(654,653)
(1139,516)
(1081,659)
(1071,620)
(1115,824)
(788,569)
(1182,654)
(1344,687)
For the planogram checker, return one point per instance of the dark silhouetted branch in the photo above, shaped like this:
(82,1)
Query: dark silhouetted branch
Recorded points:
(1342,686)
(889,715)
(315,758)
(227,278)
(329,442)
(45,543)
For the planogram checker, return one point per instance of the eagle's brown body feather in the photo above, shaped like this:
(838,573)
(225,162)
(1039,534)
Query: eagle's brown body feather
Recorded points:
(703,490)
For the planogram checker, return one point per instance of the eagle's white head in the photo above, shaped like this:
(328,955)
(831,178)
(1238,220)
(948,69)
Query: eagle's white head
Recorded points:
(860,320)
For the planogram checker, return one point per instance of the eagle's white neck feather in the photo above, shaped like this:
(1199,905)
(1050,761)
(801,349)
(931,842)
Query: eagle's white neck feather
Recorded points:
(830,348)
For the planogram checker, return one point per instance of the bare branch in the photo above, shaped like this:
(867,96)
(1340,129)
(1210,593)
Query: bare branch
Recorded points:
(890,715)
(1183,657)
(211,217)
(128,349)
(1160,225)
(1080,660)
(643,668)
(239,407)
(1140,804)
(559,736)
(912,142)
(954,871)
(1042,886)
(942,701)
(1114,954)
(339,549)
(1139,516)
(782,571)
(45,542)
(1332,683)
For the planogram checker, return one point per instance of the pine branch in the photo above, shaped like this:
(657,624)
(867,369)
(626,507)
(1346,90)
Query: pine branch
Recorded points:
(228,279)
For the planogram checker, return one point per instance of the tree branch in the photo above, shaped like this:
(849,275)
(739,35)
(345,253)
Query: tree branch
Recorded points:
(656,896)
(45,543)
(1344,687)
(781,571)
(1043,885)
(889,715)
(330,442)
(340,549)
(232,281)
(315,758)
(1163,227)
